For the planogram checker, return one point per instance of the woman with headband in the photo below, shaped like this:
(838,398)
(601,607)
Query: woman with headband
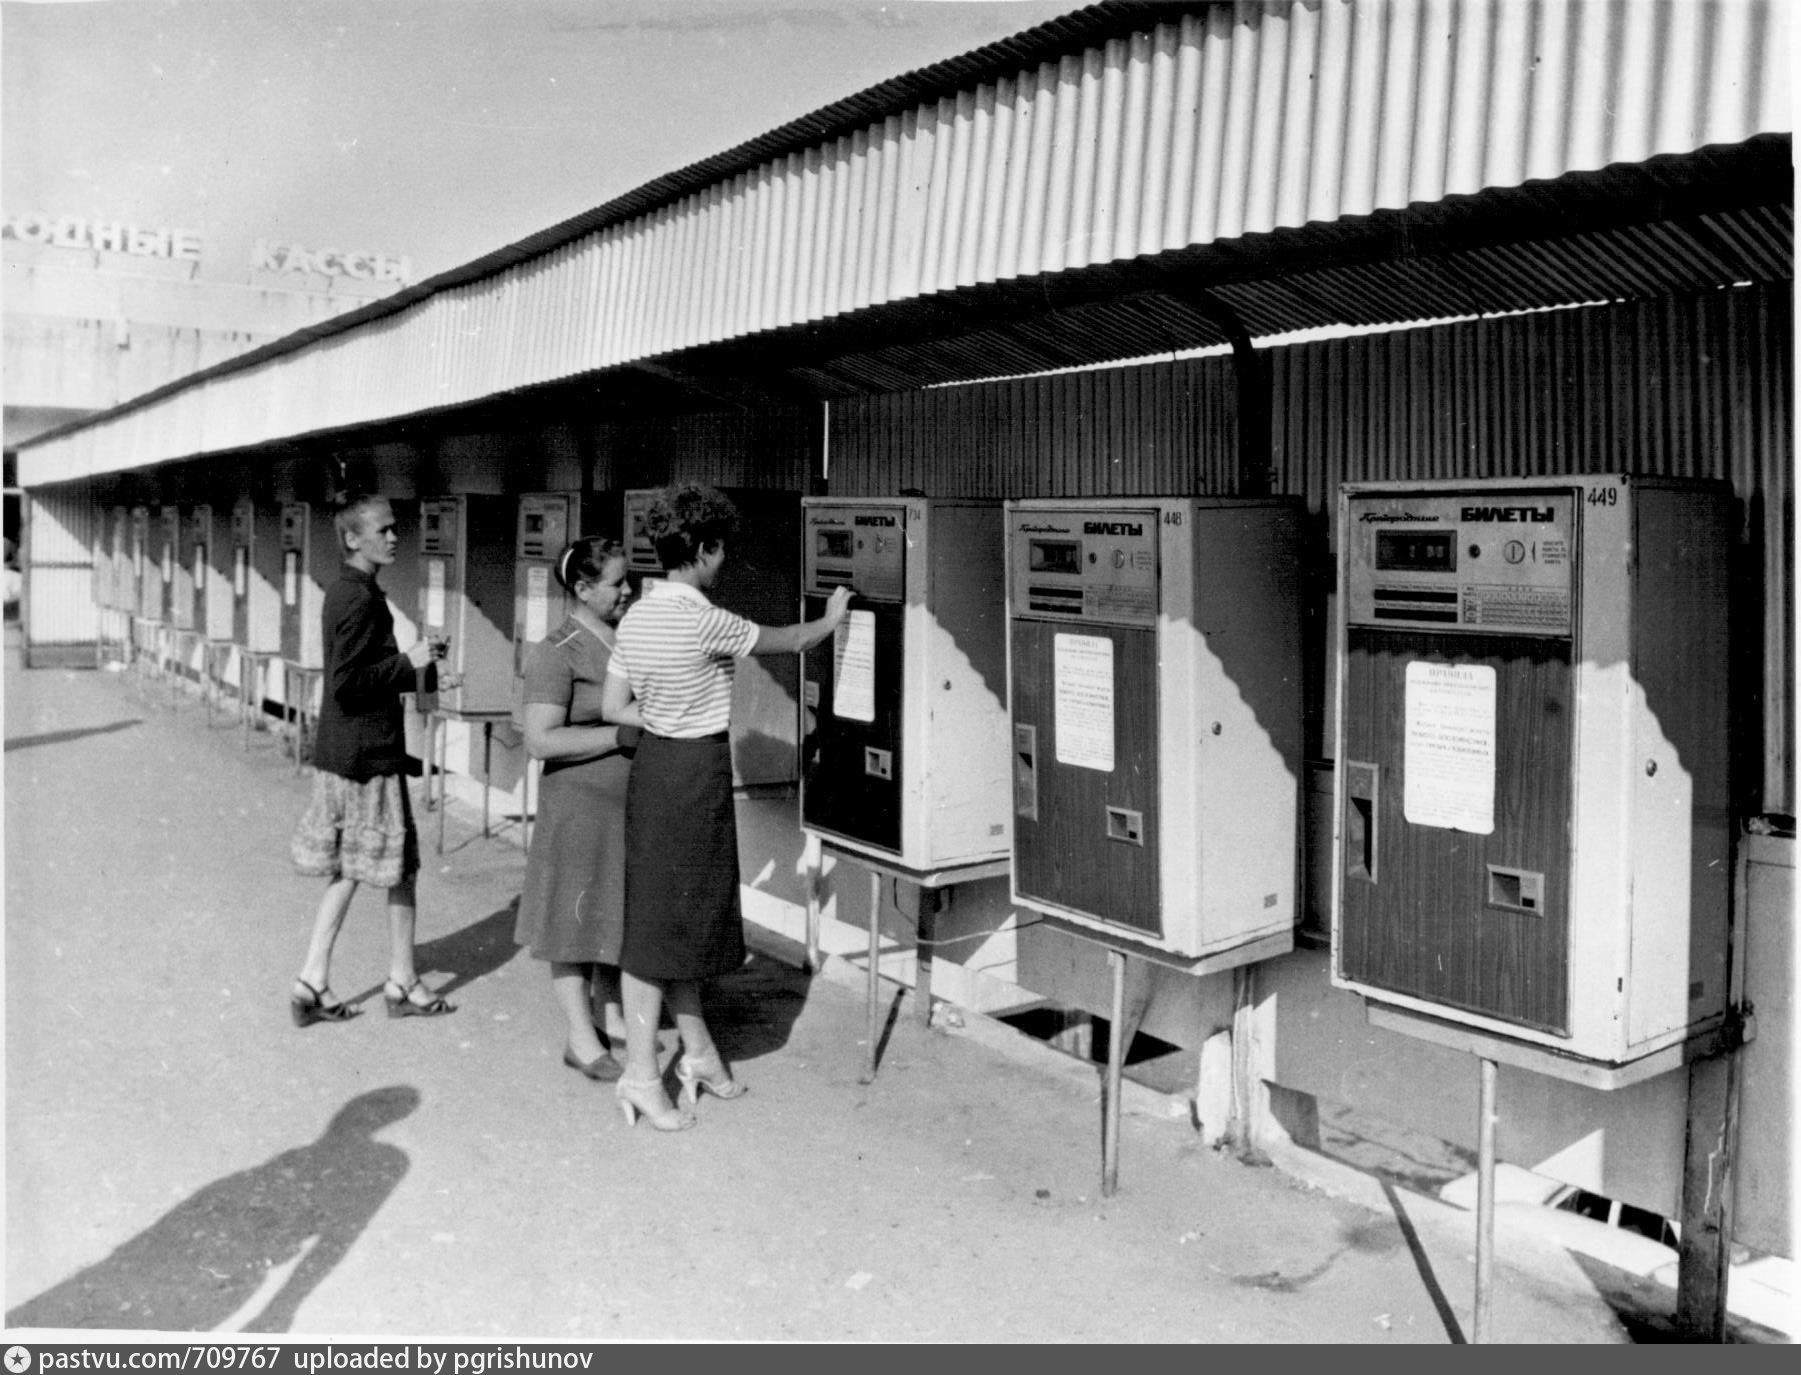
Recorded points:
(571,912)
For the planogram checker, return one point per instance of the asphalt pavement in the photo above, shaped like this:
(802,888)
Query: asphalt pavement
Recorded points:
(180,1158)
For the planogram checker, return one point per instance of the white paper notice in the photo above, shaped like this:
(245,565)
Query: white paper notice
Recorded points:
(537,597)
(200,568)
(240,570)
(853,667)
(290,578)
(434,593)
(1083,668)
(1449,761)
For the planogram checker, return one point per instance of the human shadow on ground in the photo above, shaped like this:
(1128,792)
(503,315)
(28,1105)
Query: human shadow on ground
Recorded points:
(475,950)
(465,954)
(57,737)
(217,1258)
(752,1010)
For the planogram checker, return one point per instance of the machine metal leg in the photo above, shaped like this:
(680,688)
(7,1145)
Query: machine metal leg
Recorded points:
(922,978)
(440,759)
(1485,1204)
(246,678)
(290,718)
(487,770)
(815,866)
(875,980)
(1116,1066)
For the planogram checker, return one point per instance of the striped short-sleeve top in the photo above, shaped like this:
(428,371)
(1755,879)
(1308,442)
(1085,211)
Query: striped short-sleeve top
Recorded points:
(678,652)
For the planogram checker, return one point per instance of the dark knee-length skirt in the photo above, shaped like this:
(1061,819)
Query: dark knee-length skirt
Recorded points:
(683,919)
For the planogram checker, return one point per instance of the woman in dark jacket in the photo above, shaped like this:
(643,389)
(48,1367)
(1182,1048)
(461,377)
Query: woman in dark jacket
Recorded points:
(359,827)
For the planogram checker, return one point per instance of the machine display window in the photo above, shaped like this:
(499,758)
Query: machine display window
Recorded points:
(1055,556)
(832,544)
(1413,551)
(534,524)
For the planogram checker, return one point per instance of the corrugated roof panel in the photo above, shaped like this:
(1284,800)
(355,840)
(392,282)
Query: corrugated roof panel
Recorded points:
(1225,121)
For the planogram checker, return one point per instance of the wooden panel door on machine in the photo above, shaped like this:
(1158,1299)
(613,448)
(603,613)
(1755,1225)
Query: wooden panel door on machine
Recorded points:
(1470,920)
(1086,833)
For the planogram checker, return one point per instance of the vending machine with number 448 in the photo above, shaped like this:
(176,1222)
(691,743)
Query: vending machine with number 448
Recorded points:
(1154,673)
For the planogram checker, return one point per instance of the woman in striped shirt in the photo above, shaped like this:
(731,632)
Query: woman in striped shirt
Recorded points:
(671,673)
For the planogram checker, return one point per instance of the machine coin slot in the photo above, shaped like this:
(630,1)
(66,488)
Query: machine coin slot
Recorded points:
(1519,890)
(1025,771)
(878,763)
(1362,791)
(1125,825)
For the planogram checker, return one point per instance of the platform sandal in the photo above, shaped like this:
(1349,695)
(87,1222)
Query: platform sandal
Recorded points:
(401,1002)
(310,1006)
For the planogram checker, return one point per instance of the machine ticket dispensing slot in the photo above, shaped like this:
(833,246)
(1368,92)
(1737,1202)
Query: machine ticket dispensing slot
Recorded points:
(1531,812)
(761,582)
(1154,677)
(466,592)
(905,757)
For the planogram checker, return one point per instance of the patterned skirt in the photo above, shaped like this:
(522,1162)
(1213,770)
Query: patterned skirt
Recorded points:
(357,830)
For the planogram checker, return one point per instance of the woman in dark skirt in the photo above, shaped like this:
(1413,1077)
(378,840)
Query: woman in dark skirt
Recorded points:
(671,673)
(572,910)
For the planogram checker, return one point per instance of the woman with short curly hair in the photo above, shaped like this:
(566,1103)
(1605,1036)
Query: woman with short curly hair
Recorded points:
(671,673)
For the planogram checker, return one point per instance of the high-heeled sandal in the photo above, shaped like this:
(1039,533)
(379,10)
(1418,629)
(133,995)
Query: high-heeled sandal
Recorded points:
(646,1096)
(310,1007)
(401,1003)
(719,1082)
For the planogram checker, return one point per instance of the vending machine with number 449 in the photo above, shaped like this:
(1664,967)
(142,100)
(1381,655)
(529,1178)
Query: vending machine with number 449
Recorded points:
(1531,813)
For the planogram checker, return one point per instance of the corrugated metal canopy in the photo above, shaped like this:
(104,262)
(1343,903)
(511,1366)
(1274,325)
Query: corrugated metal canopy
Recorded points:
(1177,146)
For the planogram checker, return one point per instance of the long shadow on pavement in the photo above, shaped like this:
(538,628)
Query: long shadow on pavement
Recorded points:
(466,954)
(57,737)
(475,950)
(1434,1290)
(217,1257)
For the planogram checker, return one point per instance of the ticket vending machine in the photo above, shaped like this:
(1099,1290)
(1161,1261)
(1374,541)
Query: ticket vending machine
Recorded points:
(112,559)
(177,573)
(310,553)
(466,592)
(207,564)
(905,753)
(146,573)
(1155,679)
(114,600)
(761,582)
(544,524)
(255,578)
(1531,820)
